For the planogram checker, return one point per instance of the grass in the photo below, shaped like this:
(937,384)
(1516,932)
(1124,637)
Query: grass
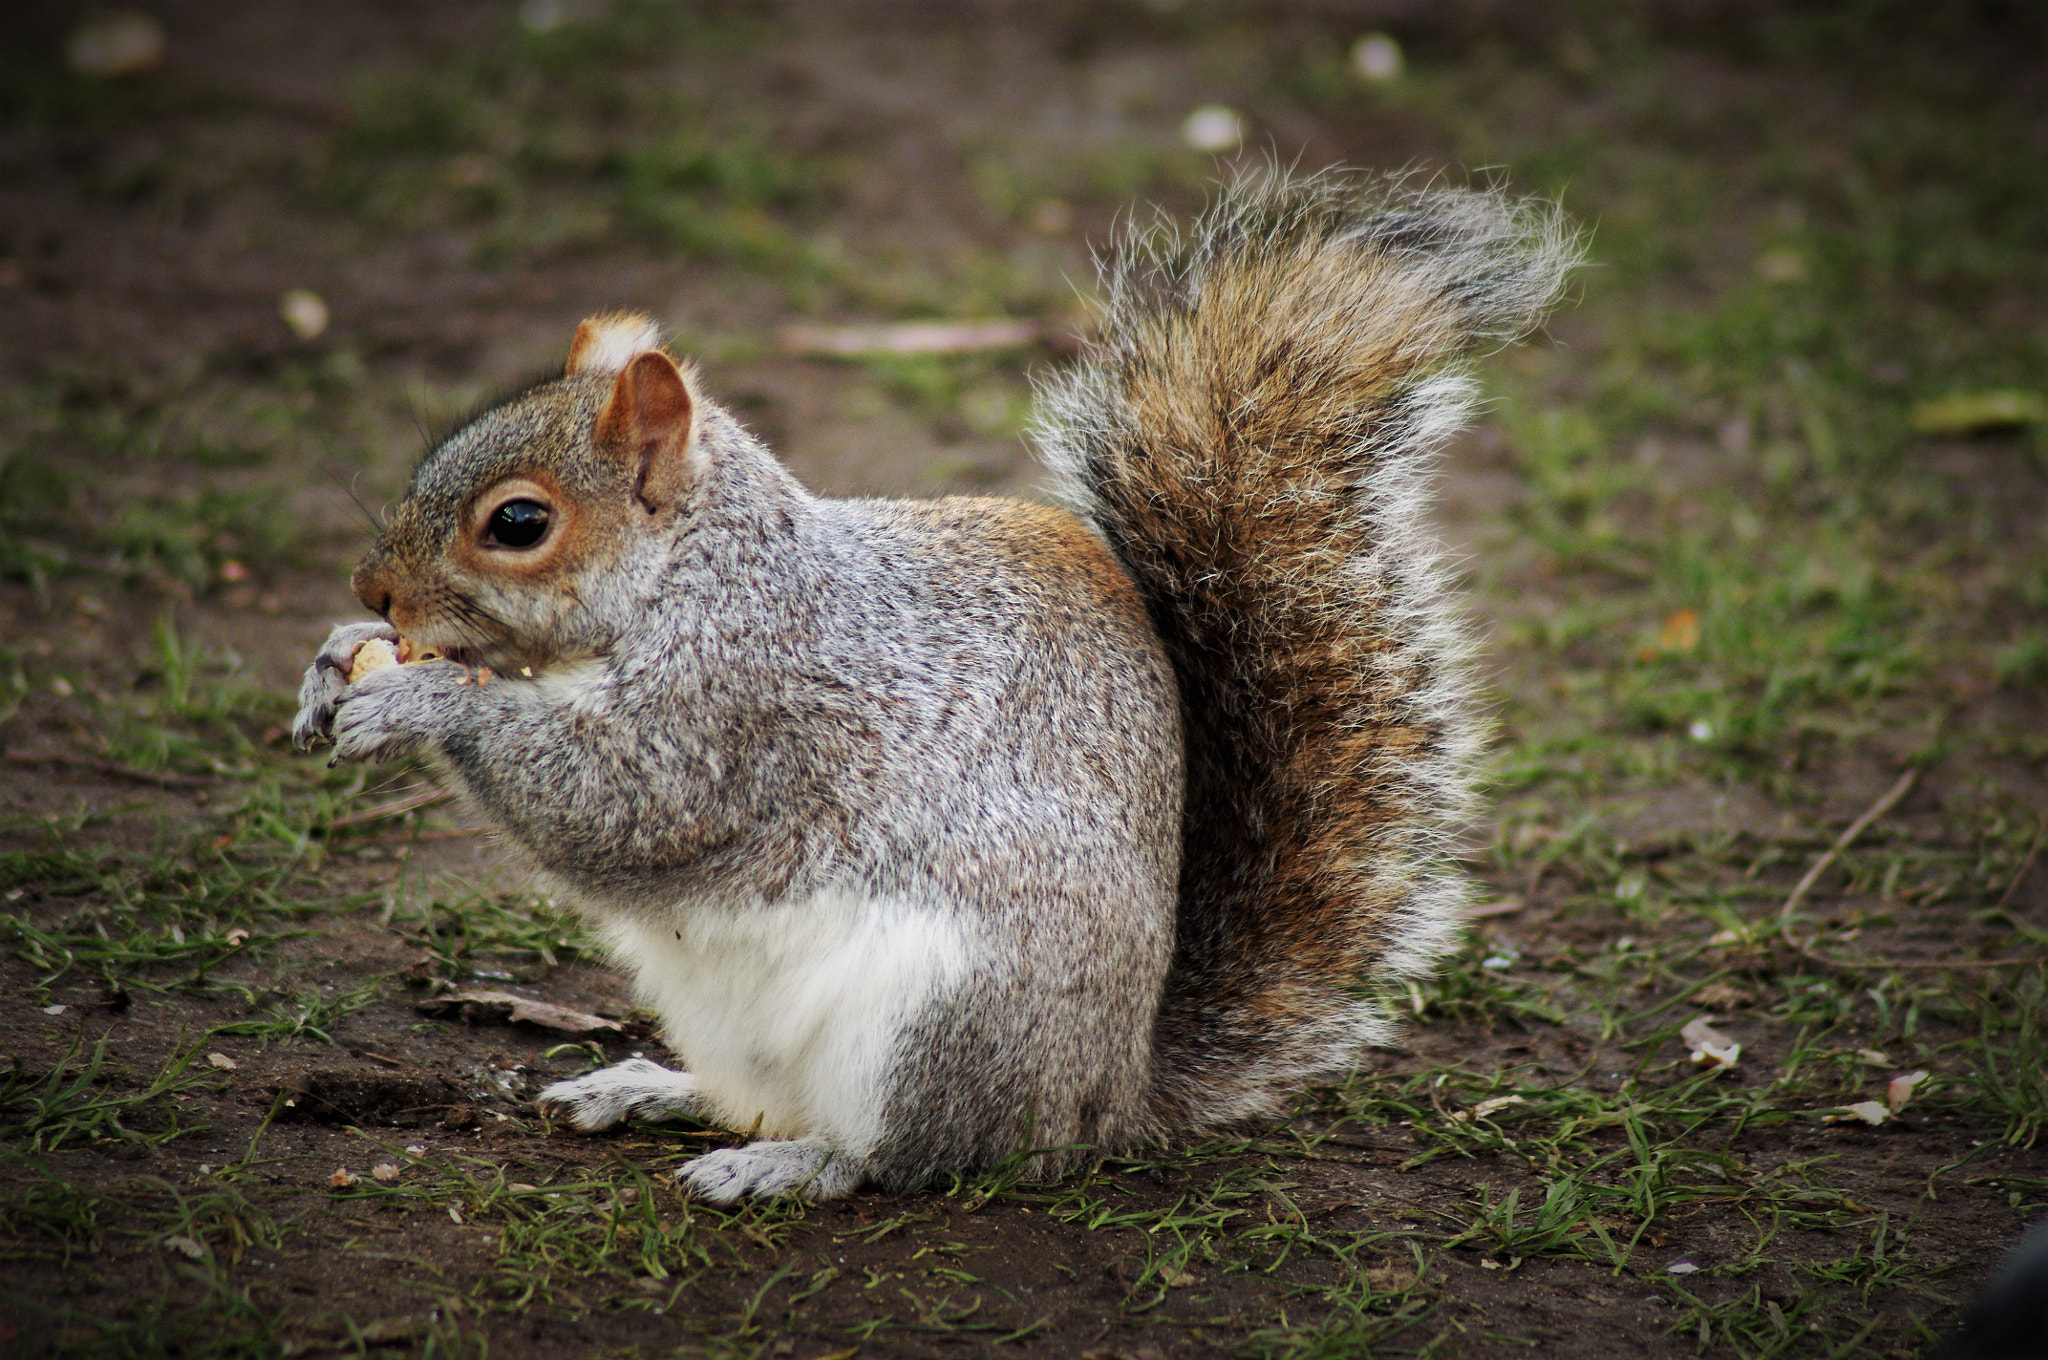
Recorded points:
(71,1103)
(489,936)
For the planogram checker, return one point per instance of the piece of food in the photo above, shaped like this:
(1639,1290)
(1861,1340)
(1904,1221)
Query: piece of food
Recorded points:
(373,655)
(377,653)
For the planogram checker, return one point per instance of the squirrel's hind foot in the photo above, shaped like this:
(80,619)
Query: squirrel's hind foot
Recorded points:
(804,1168)
(633,1089)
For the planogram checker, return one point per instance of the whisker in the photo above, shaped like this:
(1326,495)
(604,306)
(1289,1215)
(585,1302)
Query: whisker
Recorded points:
(349,489)
(476,621)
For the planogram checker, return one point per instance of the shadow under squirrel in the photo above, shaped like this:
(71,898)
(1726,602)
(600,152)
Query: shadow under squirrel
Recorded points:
(938,830)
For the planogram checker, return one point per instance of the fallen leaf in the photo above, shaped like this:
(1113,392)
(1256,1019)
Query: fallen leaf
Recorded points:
(304,312)
(1722,996)
(385,1171)
(1679,633)
(1972,412)
(1725,937)
(1782,265)
(1487,1107)
(916,337)
(520,1008)
(186,1246)
(454,1214)
(1681,1268)
(386,1330)
(1051,216)
(1869,1111)
(1874,1057)
(57,1008)
(1709,1046)
(1390,1278)
(1214,129)
(220,1062)
(124,43)
(1901,1090)
(1376,58)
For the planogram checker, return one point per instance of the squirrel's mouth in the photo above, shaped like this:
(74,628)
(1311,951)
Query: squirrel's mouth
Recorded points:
(410,650)
(469,656)
(415,647)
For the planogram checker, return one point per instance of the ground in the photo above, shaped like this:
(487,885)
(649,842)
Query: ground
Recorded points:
(1736,581)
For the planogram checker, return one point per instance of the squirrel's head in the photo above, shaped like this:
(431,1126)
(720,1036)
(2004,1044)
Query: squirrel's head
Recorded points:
(517,524)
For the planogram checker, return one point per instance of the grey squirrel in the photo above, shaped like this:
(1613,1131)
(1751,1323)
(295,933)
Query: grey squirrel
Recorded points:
(939,830)
(2008,1320)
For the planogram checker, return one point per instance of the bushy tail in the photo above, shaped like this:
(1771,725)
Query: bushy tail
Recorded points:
(1254,436)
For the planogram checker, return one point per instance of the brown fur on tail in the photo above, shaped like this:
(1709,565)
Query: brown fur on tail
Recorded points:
(1253,437)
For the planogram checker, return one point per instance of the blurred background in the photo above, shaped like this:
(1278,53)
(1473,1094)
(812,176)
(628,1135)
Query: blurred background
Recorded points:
(1758,523)
(254,257)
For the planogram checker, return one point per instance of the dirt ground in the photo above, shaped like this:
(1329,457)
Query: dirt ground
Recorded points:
(1733,589)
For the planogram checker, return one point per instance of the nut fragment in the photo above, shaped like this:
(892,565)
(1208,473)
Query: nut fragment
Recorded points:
(377,653)
(373,655)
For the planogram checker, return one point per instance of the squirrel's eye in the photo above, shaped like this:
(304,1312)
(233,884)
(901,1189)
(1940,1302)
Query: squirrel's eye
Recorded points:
(519,524)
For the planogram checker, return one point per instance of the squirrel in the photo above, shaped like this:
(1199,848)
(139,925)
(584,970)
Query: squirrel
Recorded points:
(941,831)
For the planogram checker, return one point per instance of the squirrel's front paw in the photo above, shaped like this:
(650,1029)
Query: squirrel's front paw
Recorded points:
(390,714)
(327,679)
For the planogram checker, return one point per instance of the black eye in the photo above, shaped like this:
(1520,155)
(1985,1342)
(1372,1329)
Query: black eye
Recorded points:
(519,524)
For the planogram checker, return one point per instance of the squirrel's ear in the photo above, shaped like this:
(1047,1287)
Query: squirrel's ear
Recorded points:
(608,342)
(650,424)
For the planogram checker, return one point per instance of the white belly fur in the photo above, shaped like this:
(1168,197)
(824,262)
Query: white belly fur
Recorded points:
(789,1013)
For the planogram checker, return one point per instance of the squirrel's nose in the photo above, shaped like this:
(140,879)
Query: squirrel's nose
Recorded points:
(372,585)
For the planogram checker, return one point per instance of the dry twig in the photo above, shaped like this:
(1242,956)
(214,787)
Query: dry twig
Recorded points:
(163,779)
(915,337)
(2026,863)
(395,808)
(1847,838)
